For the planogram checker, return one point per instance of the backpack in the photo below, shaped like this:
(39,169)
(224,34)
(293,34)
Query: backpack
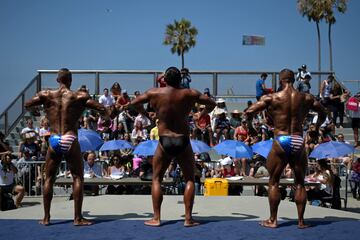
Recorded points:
(352,104)
(7,202)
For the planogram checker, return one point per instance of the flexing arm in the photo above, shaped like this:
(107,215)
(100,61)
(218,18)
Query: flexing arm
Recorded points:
(139,101)
(260,105)
(37,100)
(204,99)
(316,106)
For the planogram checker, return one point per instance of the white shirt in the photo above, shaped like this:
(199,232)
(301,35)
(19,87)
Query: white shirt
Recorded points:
(143,119)
(96,169)
(106,100)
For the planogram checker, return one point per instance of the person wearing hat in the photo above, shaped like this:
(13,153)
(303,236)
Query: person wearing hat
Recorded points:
(220,106)
(222,125)
(304,85)
(207,93)
(302,72)
(235,121)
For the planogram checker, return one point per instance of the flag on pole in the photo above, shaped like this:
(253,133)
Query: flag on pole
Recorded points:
(253,40)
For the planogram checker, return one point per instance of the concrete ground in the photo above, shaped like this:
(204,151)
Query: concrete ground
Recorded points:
(139,207)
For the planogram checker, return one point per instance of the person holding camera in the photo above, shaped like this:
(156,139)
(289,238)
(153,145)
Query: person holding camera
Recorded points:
(302,72)
(186,79)
(260,86)
(7,181)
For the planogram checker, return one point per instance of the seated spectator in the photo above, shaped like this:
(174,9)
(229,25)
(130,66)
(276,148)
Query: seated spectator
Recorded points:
(325,176)
(7,181)
(228,170)
(202,126)
(124,100)
(241,133)
(136,164)
(30,128)
(145,171)
(354,179)
(92,170)
(235,121)
(104,127)
(311,138)
(344,160)
(115,91)
(120,131)
(260,172)
(139,133)
(116,170)
(220,107)
(145,121)
(222,126)
(106,99)
(154,132)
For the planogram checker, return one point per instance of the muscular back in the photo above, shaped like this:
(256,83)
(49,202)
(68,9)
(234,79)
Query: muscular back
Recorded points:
(172,106)
(63,108)
(287,110)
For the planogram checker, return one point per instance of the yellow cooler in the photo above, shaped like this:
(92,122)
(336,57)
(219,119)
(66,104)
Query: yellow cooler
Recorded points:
(216,187)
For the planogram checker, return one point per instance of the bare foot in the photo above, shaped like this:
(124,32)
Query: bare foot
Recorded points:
(268,223)
(83,222)
(302,225)
(152,222)
(191,223)
(45,222)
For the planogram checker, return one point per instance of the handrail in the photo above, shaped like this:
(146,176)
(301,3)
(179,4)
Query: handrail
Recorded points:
(8,126)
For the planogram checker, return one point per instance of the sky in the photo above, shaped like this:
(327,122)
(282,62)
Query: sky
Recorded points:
(128,35)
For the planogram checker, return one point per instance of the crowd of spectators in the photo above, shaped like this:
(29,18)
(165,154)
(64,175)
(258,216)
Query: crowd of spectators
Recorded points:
(136,125)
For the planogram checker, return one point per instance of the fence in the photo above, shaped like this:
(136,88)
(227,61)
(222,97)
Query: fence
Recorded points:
(31,175)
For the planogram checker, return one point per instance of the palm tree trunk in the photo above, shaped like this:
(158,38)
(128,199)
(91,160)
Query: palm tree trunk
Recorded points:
(330,48)
(319,51)
(182,60)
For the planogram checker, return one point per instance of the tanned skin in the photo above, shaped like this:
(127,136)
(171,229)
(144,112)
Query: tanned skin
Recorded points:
(172,105)
(287,110)
(63,108)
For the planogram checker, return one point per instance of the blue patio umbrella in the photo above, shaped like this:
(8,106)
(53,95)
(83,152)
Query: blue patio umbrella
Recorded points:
(146,148)
(115,145)
(234,149)
(199,146)
(332,149)
(89,140)
(263,148)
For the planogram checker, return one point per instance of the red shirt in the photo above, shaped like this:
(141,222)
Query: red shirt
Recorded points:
(203,121)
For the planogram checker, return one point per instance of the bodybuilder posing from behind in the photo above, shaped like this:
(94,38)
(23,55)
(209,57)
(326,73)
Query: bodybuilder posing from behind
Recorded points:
(287,109)
(172,105)
(63,108)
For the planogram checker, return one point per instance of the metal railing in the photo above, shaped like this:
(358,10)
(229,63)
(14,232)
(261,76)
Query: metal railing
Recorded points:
(234,85)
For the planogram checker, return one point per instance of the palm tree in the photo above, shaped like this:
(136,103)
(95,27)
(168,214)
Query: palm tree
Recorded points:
(329,5)
(313,10)
(181,37)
